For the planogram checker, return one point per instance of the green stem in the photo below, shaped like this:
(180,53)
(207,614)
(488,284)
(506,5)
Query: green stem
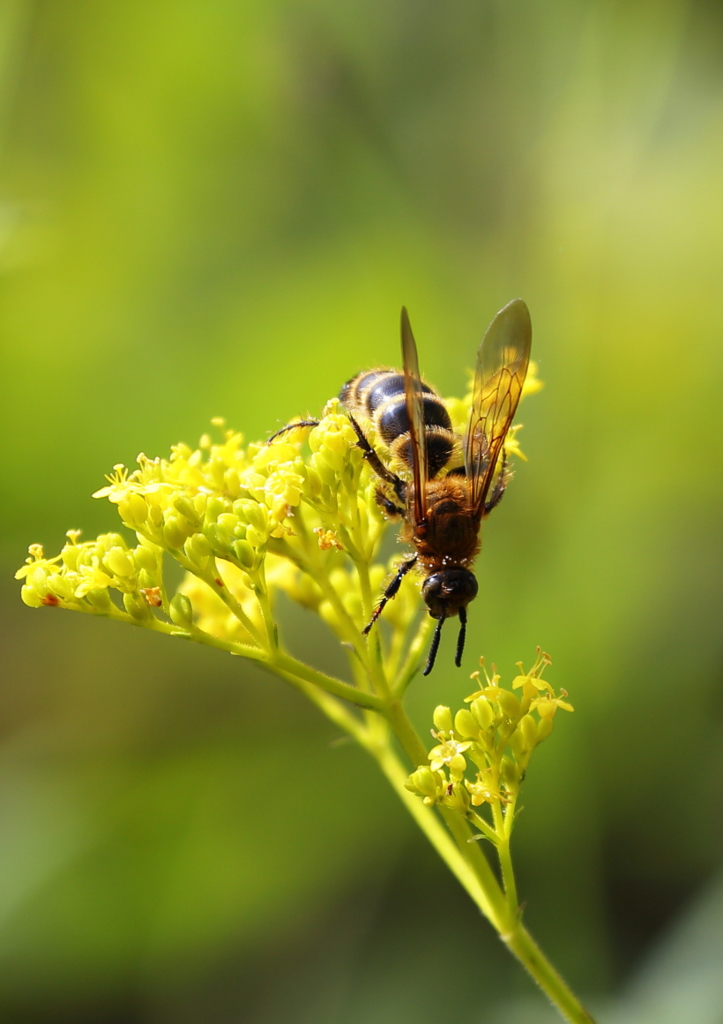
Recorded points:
(523,946)
(508,875)
(199,636)
(487,831)
(231,603)
(503,849)
(262,596)
(285,663)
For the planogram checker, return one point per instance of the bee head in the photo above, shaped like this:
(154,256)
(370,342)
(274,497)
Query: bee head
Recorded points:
(447,591)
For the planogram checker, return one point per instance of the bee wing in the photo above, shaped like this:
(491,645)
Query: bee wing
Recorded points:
(415,415)
(499,375)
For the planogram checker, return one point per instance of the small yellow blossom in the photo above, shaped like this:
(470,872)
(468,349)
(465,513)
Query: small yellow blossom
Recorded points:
(449,753)
(500,733)
(485,790)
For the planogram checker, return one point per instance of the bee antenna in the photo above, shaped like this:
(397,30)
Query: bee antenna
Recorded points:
(462,637)
(434,648)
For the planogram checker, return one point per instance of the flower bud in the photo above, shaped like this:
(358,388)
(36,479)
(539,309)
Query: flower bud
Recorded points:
(424,781)
(335,442)
(509,704)
(200,504)
(133,509)
(187,509)
(324,470)
(465,724)
(38,579)
(144,558)
(482,711)
(71,555)
(231,481)
(256,538)
(245,553)
(529,730)
(314,484)
(227,521)
(510,773)
(30,597)
(333,459)
(146,581)
(254,483)
(99,599)
(254,513)
(119,562)
(60,586)
(442,718)
(214,508)
(218,538)
(137,608)
(181,611)
(106,541)
(174,533)
(544,728)
(197,549)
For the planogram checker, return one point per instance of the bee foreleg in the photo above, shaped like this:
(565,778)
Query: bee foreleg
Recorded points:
(376,463)
(392,510)
(391,591)
(293,426)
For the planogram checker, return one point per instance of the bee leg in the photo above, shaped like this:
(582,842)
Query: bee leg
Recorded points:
(392,510)
(434,648)
(390,592)
(499,488)
(376,463)
(293,426)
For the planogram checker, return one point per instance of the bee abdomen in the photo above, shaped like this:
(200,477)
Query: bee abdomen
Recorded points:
(379,396)
(440,445)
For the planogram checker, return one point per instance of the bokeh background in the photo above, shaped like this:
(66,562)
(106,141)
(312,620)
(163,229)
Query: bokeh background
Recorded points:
(217,208)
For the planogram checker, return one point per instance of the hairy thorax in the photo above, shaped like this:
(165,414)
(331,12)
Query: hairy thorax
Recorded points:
(449,534)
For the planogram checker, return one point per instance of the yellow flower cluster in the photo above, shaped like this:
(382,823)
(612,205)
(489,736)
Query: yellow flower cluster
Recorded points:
(245,523)
(82,574)
(497,732)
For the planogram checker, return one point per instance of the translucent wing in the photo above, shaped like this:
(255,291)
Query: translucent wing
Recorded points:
(415,415)
(500,373)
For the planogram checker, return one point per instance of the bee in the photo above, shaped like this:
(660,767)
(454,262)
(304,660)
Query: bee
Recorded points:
(441,512)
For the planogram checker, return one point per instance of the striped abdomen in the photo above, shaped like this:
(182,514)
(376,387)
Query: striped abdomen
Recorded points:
(378,395)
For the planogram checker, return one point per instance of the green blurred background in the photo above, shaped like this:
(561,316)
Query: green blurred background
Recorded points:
(217,208)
